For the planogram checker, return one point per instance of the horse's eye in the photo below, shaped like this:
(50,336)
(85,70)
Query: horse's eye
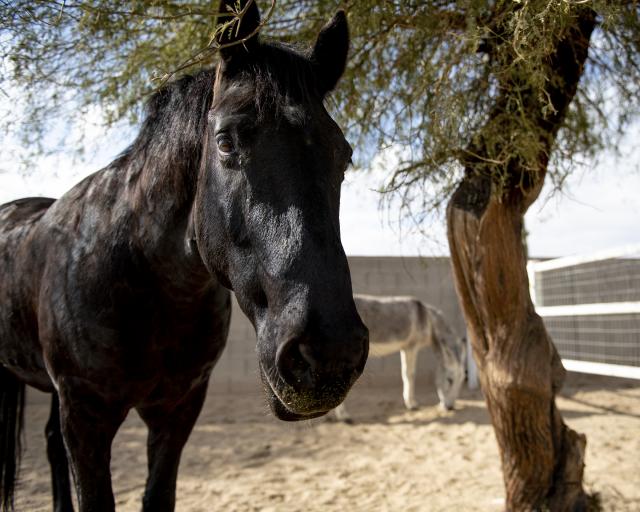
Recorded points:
(225,144)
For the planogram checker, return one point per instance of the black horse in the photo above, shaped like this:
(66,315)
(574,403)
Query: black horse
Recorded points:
(115,296)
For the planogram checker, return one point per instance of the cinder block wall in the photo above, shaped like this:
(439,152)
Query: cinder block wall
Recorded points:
(429,279)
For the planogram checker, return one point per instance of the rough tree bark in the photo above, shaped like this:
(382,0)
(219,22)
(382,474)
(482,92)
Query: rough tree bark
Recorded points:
(520,370)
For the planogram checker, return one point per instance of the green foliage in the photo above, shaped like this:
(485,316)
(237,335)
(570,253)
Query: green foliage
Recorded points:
(424,76)
(64,57)
(428,76)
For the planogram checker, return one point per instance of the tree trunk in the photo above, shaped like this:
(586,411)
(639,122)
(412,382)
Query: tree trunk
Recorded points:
(519,367)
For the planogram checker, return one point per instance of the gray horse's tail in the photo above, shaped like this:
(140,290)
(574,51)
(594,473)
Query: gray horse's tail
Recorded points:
(11,420)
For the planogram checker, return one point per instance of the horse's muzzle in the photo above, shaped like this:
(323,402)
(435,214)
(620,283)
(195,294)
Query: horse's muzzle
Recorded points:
(308,380)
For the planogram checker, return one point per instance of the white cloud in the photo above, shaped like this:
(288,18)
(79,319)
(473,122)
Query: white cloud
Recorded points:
(54,174)
(598,209)
(374,224)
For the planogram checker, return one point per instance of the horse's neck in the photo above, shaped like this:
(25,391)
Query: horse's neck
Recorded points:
(423,323)
(162,200)
(161,195)
(154,199)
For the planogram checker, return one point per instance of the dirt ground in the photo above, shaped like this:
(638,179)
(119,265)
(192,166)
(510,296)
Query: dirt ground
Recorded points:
(241,459)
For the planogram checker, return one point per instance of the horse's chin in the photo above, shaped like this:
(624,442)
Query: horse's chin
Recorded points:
(284,412)
(281,411)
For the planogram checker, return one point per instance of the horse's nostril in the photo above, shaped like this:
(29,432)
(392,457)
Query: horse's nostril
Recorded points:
(307,355)
(295,363)
(304,366)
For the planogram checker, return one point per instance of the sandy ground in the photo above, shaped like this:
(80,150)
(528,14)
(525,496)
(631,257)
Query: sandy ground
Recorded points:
(240,459)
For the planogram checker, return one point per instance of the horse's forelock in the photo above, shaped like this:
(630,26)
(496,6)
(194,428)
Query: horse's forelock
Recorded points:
(278,82)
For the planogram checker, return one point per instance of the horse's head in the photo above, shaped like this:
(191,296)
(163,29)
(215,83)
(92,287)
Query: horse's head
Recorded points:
(266,214)
(450,372)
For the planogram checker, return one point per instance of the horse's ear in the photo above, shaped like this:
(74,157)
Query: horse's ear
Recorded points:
(330,52)
(449,355)
(240,30)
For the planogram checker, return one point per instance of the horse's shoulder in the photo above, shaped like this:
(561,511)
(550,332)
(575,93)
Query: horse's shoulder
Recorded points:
(20,257)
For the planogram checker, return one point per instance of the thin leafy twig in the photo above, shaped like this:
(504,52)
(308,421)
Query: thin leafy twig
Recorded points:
(214,45)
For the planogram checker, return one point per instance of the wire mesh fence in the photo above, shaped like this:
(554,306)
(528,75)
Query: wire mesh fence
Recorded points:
(591,307)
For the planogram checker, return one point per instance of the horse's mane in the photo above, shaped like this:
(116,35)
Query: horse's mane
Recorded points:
(174,123)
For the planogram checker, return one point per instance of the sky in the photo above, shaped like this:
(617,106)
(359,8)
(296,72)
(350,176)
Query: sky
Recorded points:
(597,210)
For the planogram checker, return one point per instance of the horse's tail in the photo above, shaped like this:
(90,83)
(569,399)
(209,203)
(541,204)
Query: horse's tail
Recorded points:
(11,421)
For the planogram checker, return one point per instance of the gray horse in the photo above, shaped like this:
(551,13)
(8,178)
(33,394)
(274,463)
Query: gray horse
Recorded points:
(406,325)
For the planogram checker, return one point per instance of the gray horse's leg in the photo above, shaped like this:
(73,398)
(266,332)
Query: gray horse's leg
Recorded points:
(89,425)
(169,429)
(409,359)
(57,456)
(342,414)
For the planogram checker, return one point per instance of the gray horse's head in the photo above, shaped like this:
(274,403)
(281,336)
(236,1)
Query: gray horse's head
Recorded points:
(267,208)
(450,371)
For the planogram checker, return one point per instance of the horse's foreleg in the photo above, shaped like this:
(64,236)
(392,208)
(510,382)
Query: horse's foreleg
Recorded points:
(169,429)
(408,360)
(89,425)
(57,455)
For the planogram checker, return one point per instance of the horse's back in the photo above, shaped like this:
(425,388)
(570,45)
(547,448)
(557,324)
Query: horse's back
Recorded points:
(392,321)
(23,212)
(20,350)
